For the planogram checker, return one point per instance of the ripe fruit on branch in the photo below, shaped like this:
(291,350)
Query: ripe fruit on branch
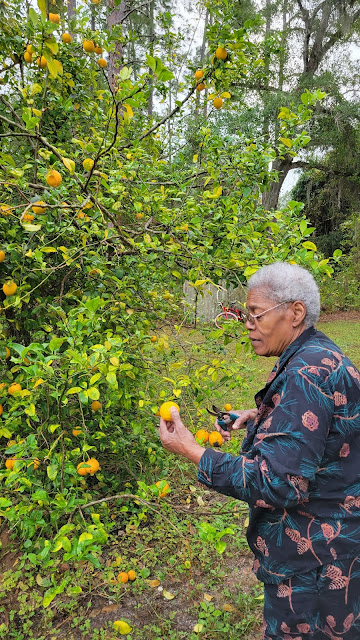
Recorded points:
(28,57)
(165,409)
(95,405)
(28,217)
(199,74)
(5,209)
(88,164)
(200,87)
(54,17)
(202,436)
(1,409)
(30,48)
(9,288)
(66,37)
(102,63)
(14,388)
(98,49)
(89,467)
(34,463)
(2,255)
(53,178)
(41,62)
(218,103)
(77,431)
(215,439)
(164,490)
(39,207)
(88,46)
(221,53)
(10,463)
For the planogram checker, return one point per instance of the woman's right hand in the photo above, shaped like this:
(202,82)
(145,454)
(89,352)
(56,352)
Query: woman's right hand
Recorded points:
(239,423)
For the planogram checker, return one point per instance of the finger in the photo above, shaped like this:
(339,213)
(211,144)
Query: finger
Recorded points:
(239,424)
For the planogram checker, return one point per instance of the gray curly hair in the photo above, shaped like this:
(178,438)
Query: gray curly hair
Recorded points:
(282,282)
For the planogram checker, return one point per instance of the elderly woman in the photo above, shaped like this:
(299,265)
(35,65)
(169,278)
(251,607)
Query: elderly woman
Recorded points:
(299,465)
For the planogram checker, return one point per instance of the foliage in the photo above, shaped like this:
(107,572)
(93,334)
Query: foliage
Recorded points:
(99,261)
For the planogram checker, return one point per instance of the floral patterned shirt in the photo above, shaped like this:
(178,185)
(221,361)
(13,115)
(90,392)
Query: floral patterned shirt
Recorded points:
(299,464)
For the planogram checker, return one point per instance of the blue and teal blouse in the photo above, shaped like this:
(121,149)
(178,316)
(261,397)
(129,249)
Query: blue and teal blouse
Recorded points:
(299,464)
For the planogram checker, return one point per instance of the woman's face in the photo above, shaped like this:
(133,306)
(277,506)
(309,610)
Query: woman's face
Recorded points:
(271,333)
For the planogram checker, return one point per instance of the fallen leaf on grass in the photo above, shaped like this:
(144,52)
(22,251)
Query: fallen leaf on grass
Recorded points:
(153,583)
(207,597)
(198,628)
(168,595)
(228,607)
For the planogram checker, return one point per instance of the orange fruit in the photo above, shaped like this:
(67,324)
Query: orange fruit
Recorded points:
(202,436)
(10,462)
(215,439)
(27,57)
(102,63)
(221,53)
(131,574)
(94,466)
(9,288)
(54,17)
(2,255)
(218,103)
(41,62)
(123,577)
(153,339)
(227,407)
(95,405)
(29,48)
(34,463)
(164,491)
(139,215)
(88,46)
(98,49)
(88,164)
(1,409)
(14,388)
(28,217)
(5,209)
(200,87)
(7,353)
(39,207)
(82,469)
(199,74)
(2,385)
(165,409)
(66,37)
(77,431)
(53,178)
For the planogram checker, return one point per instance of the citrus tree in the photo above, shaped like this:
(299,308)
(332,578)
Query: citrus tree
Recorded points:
(99,230)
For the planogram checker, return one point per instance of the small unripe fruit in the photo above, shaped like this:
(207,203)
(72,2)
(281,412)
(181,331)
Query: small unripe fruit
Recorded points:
(88,164)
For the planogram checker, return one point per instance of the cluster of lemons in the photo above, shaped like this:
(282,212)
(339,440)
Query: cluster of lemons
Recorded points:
(220,54)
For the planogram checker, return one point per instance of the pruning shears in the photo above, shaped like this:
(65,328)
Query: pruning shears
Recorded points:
(224,418)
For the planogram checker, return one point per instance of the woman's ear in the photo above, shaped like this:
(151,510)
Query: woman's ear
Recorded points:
(299,311)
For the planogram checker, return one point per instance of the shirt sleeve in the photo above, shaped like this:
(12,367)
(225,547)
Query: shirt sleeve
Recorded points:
(287,448)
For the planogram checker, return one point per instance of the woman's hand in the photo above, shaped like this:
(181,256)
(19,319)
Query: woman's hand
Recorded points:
(239,423)
(178,439)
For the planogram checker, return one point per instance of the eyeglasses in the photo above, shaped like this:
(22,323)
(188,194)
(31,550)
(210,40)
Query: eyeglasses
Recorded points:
(250,317)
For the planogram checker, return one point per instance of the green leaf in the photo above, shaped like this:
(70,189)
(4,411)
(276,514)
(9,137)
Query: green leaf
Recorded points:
(52,471)
(93,393)
(51,44)
(287,142)
(73,390)
(55,68)
(56,343)
(309,245)
(69,164)
(42,6)
(5,433)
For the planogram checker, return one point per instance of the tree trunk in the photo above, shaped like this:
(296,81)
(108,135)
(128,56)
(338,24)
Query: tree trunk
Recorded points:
(115,17)
(271,197)
(71,8)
